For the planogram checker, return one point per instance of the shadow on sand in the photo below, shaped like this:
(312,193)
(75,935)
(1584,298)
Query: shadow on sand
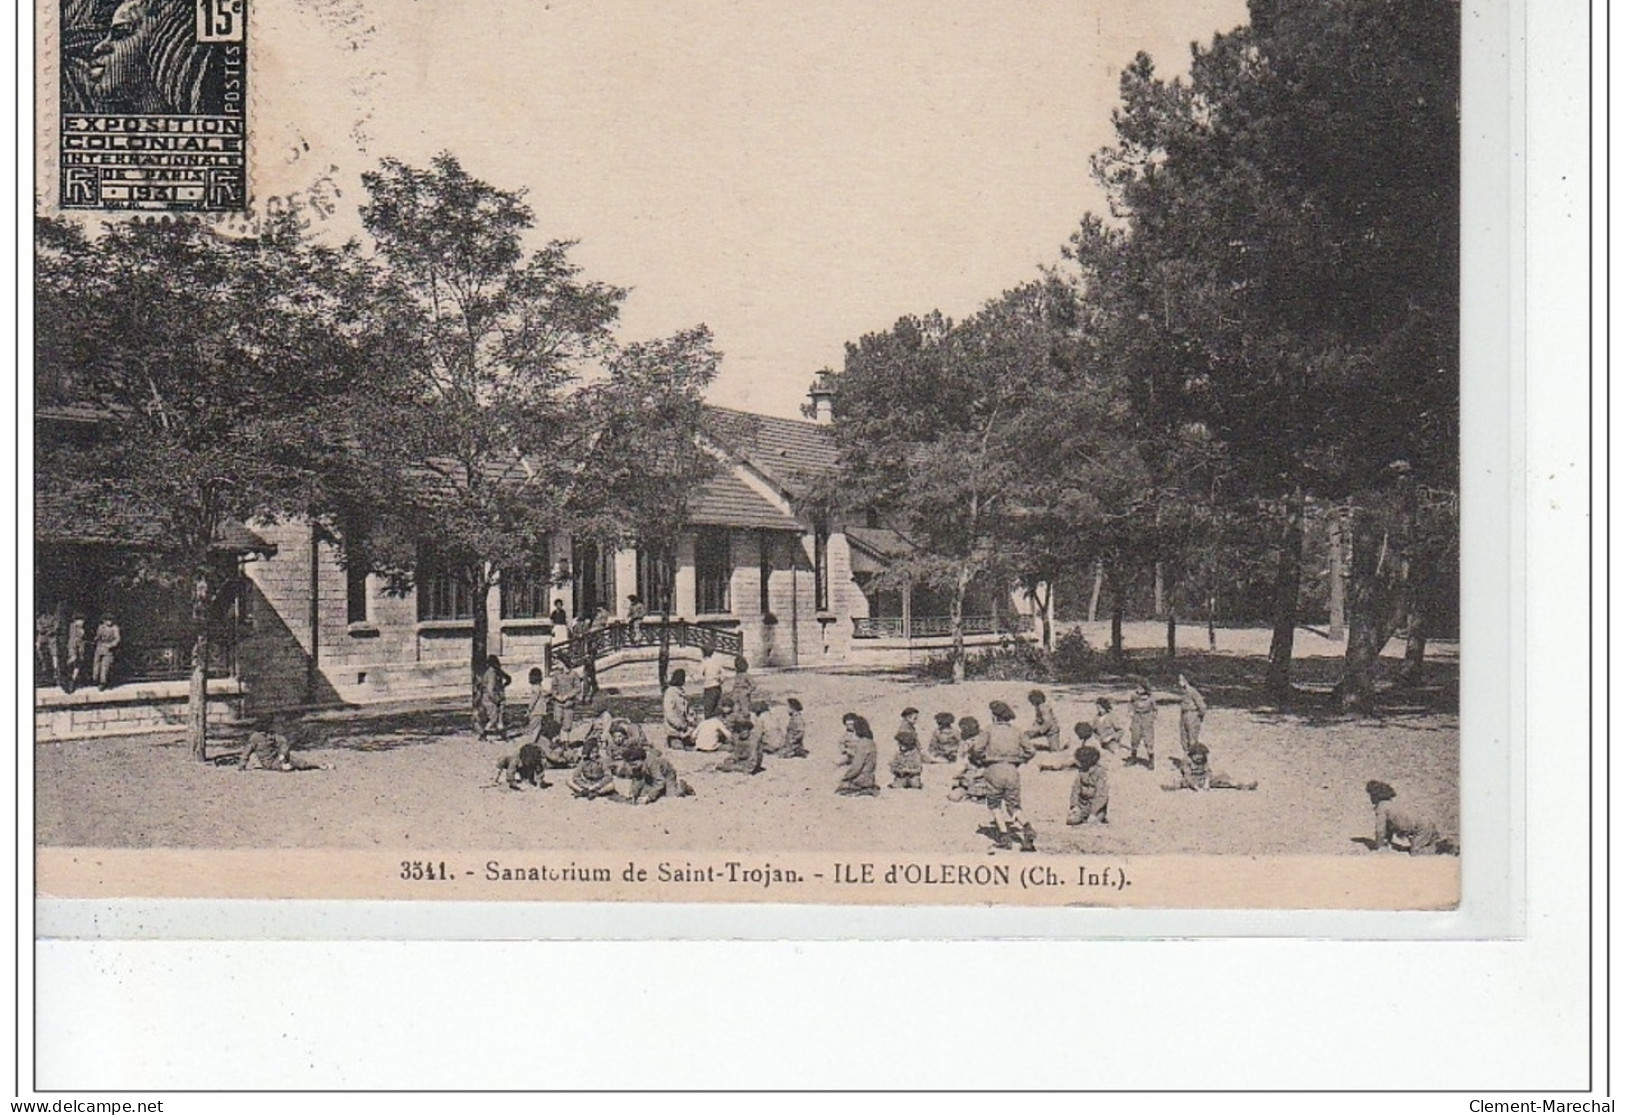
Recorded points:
(374,728)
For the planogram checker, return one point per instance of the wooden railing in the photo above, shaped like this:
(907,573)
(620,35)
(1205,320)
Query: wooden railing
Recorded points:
(624,636)
(935,627)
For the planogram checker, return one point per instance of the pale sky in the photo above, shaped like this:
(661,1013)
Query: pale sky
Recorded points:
(792,174)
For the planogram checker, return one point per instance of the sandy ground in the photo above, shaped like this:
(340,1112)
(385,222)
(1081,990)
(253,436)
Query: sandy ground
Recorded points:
(417,777)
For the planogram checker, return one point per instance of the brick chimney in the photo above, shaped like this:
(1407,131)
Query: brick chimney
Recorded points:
(822,394)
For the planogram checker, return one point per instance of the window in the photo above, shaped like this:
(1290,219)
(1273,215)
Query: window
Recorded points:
(713,569)
(442,594)
(527,593)
(764,542)
(821,567)
(654,569)
(355,591)
(592,571)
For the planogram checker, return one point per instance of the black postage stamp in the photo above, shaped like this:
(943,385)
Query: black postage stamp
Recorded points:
(154,105)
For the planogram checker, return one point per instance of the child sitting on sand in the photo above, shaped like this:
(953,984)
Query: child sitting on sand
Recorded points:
(944,741)
(675,713)
(597,730)
(623,736)
(652,776)
(1045,733)
(795,731)
(711,734)
(1107,730)
(592,778)
(968,783)
(556,751)
(745,739)
(1091,791)
(858,747)
(907,768)
(1398,826)
(1085,732)
(1194,773)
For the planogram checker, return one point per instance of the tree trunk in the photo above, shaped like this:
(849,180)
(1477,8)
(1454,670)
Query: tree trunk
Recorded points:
(1288,575)
(1094,594)
(1417,584)
(1335,588)
(1159,601)
(1370,613)
(197,697)
(1416,645)
(1041,606)
(480,585)
(1212,634)
(668,589)
(1173,650)
(1117,620)
(957,616)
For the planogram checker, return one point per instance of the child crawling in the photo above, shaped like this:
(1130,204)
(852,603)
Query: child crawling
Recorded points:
(1398,826)
(528,764)
(270,748)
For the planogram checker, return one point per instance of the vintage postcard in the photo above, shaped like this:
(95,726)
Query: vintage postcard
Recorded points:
(819,454)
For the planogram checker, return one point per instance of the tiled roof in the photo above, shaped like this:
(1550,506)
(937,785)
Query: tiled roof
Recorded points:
(97,519)
(879,541)
(727,501)
(790,453)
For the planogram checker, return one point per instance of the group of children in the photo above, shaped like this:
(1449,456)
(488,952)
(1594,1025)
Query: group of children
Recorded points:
(990,758)
(609,756)
(730,718)
(64,647)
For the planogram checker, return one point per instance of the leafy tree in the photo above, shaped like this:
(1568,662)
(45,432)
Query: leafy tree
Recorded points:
(1290,257)
(932,420)
(649,455)
(486,442)
(208,360)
